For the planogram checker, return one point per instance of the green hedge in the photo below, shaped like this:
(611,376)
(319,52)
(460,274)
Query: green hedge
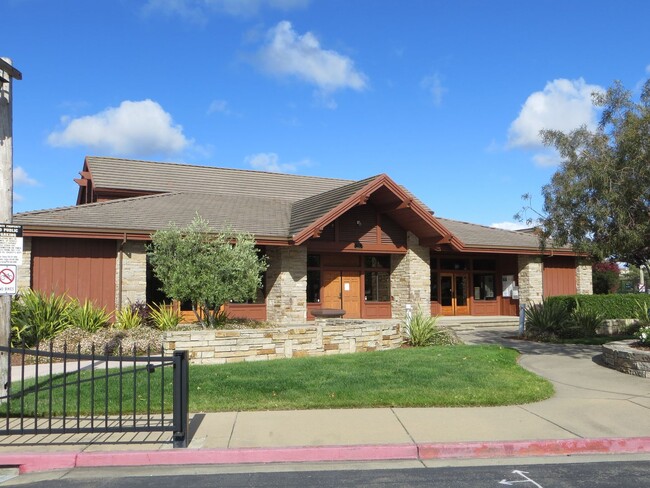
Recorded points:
(625,306)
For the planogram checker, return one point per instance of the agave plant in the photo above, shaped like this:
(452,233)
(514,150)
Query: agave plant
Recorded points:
(127,318)
(88,317)
(164,317)
(37,317)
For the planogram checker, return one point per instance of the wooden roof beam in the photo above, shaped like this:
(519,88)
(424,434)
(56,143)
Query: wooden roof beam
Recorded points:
(435,241)
(81,182)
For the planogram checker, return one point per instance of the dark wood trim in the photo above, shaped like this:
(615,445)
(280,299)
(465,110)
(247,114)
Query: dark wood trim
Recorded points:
(349,247)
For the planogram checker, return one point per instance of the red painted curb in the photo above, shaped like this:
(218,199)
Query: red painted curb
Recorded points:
(625,445)
(33,462)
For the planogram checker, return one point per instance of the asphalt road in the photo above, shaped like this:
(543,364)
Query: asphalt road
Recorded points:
(593,475)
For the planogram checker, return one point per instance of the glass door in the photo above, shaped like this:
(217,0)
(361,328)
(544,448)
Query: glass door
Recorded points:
(454,298)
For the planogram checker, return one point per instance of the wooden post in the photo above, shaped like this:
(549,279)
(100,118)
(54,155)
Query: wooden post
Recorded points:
(7,73)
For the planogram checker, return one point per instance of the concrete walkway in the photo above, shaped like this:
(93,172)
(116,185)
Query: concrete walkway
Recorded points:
(595,410)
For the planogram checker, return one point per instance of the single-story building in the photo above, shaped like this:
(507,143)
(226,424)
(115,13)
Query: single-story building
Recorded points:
(369,247)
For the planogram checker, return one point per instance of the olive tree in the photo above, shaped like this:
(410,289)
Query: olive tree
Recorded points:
(206,268)
(599,199)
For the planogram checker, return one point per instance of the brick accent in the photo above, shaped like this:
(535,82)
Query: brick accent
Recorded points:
(286,282)
(410,279)
(134,273)
(584,278)
(530,279)
(324,337)
(25,270)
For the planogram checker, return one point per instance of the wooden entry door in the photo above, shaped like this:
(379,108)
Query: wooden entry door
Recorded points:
(454,299)
(342,289)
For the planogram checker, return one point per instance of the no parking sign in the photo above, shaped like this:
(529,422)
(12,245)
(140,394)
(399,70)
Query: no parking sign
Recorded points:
(7,279)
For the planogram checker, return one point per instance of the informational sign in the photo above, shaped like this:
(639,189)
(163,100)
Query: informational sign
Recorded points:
(8,279)
(507,285)
(11,244)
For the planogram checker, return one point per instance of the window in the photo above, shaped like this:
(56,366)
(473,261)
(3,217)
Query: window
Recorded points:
(377,261)
(453,264)
(434,286)
(484,286)
(377,286)
(313,286)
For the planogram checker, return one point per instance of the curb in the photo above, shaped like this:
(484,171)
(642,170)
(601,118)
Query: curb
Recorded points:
(36,462)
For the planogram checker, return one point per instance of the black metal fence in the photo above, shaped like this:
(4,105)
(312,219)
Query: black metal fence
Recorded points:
(49,392)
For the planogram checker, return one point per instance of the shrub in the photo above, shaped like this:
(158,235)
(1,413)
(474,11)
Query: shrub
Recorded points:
(547,320)
(644,335)
(127,318)
(141,308)
(164,317)
(609,306)
(87,317)
(37,317)
(585,322)
(424,331)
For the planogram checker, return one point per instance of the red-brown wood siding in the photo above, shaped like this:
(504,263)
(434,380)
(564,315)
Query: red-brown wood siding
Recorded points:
(559,276)
(251,311)
(81,268)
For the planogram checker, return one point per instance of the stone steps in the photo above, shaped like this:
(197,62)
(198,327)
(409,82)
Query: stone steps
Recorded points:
(468,322)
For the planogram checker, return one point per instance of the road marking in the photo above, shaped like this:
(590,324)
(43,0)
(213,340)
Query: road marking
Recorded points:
(525,480)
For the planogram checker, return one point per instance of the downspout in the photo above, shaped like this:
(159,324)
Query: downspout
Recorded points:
(119,272)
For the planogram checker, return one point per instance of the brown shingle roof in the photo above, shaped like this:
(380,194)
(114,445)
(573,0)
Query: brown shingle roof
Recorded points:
(264,217)
(149,177)
(474,235)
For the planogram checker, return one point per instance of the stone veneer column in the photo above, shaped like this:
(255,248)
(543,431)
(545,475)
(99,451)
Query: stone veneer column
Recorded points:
(530,279)
(410,279)
(286,282)
(25,269)
(584,278)
(134,273)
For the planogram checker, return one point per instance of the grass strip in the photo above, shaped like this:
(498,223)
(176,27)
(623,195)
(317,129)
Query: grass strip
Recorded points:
(438,376)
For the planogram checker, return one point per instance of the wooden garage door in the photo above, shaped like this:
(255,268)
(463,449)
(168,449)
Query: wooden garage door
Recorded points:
(559,276)
(82,268)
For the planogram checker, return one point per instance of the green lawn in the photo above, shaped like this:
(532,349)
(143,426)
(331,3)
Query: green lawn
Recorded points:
(449,376)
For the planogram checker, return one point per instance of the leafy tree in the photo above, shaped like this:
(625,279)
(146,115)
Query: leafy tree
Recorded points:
(205,268)
(605,277)
(599,200)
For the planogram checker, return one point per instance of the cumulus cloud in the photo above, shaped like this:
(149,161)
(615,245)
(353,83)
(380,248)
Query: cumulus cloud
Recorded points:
(197,11)
(22,178)
(563,105)
(271,162)
(433,85)
(133,128)
(287,53)
(509,225)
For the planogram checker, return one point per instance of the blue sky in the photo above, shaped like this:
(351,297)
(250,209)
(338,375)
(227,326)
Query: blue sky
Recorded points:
(446,97)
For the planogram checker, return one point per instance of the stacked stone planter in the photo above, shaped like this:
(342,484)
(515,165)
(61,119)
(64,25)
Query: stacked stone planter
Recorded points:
(622,357)
(324,337)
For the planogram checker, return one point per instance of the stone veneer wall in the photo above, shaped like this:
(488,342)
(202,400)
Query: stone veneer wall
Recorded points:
(410,279)
(530,279)
(325,337)
(620,356)
(134,273)
(584,278)
(286,282)
(25,269)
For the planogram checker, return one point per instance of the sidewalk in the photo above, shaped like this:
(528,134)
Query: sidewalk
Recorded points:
(595,410)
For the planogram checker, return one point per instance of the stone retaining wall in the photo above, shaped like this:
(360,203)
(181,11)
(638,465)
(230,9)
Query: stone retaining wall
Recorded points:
(324,337)
(620,356)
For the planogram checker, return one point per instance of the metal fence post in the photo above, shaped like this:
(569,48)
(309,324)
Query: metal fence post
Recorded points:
(181,398)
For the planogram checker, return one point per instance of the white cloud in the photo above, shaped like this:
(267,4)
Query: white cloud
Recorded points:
(22,178)
(433,85)
(292,54)
(509,225)
(197,11)
(563,105)
(548,159)
(271,162)
(219,106)
(133,128)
